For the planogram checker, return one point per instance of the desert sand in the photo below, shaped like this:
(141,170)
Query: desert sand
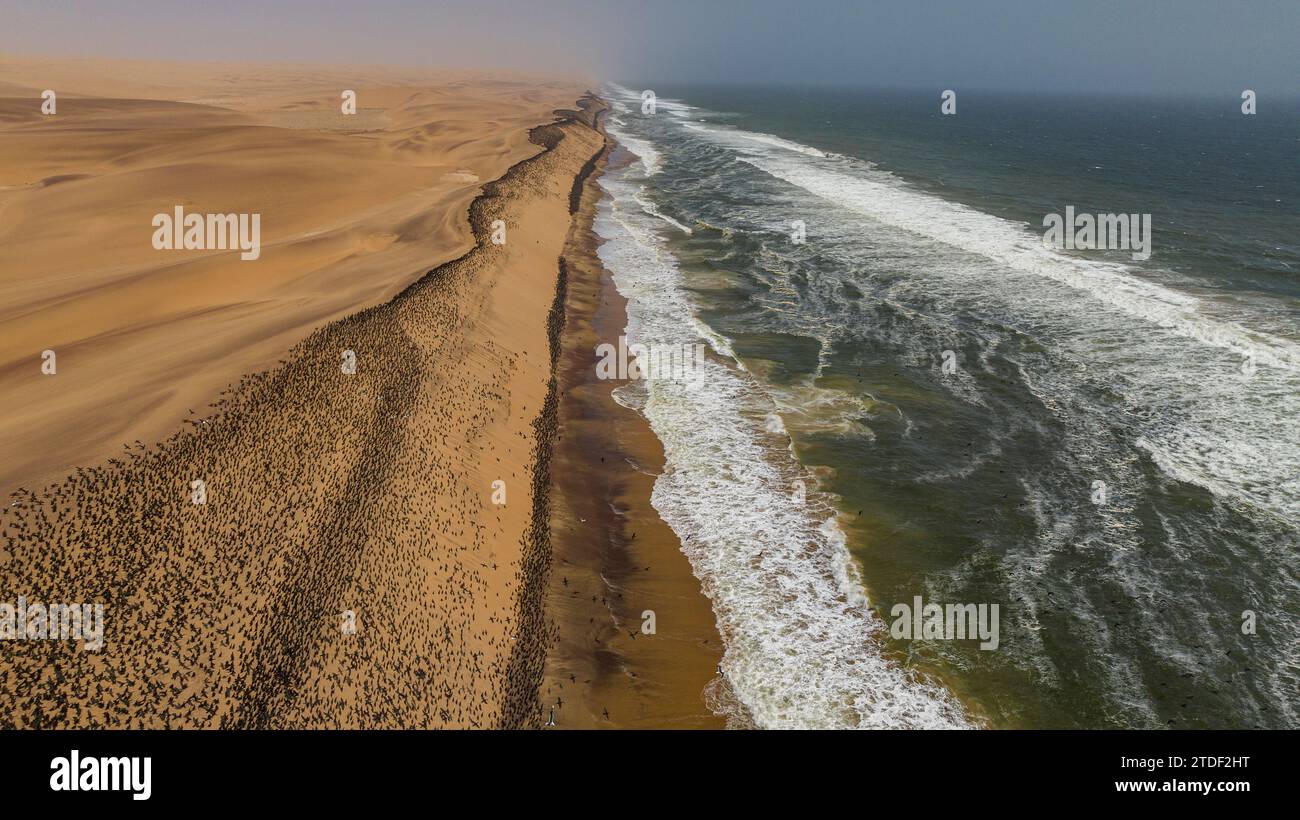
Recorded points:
(348,565)
(353,209)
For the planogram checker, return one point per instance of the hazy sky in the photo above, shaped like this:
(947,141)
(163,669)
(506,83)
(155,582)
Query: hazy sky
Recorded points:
(1176,46)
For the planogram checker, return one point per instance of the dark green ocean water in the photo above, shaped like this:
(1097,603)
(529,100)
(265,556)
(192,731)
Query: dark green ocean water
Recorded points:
(1173,383)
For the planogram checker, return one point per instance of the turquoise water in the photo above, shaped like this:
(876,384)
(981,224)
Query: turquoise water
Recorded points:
(832,428)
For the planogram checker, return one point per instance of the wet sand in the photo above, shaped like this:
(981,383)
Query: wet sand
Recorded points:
(613,558)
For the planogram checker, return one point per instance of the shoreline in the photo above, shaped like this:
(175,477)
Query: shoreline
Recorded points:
(613,558)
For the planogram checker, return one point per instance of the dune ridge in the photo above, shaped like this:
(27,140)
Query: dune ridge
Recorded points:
(353,209)
(330,495)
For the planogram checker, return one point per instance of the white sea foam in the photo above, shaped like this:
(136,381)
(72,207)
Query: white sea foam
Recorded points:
(739,137)
(651,208)
(644,149)
(802,647)
(860,187)
(882,197)
(1231,436)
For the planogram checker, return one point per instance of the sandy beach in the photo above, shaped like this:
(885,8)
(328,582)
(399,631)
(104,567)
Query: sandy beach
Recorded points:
(615,563)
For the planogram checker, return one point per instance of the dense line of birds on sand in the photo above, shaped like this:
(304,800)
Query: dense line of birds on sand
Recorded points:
(333,501)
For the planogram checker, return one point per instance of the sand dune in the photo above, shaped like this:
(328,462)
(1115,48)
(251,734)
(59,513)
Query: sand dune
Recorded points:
(353,209)
(329,496)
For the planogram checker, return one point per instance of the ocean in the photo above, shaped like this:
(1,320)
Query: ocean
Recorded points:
(922,400)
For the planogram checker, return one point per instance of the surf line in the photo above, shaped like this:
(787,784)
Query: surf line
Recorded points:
(1116,232)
